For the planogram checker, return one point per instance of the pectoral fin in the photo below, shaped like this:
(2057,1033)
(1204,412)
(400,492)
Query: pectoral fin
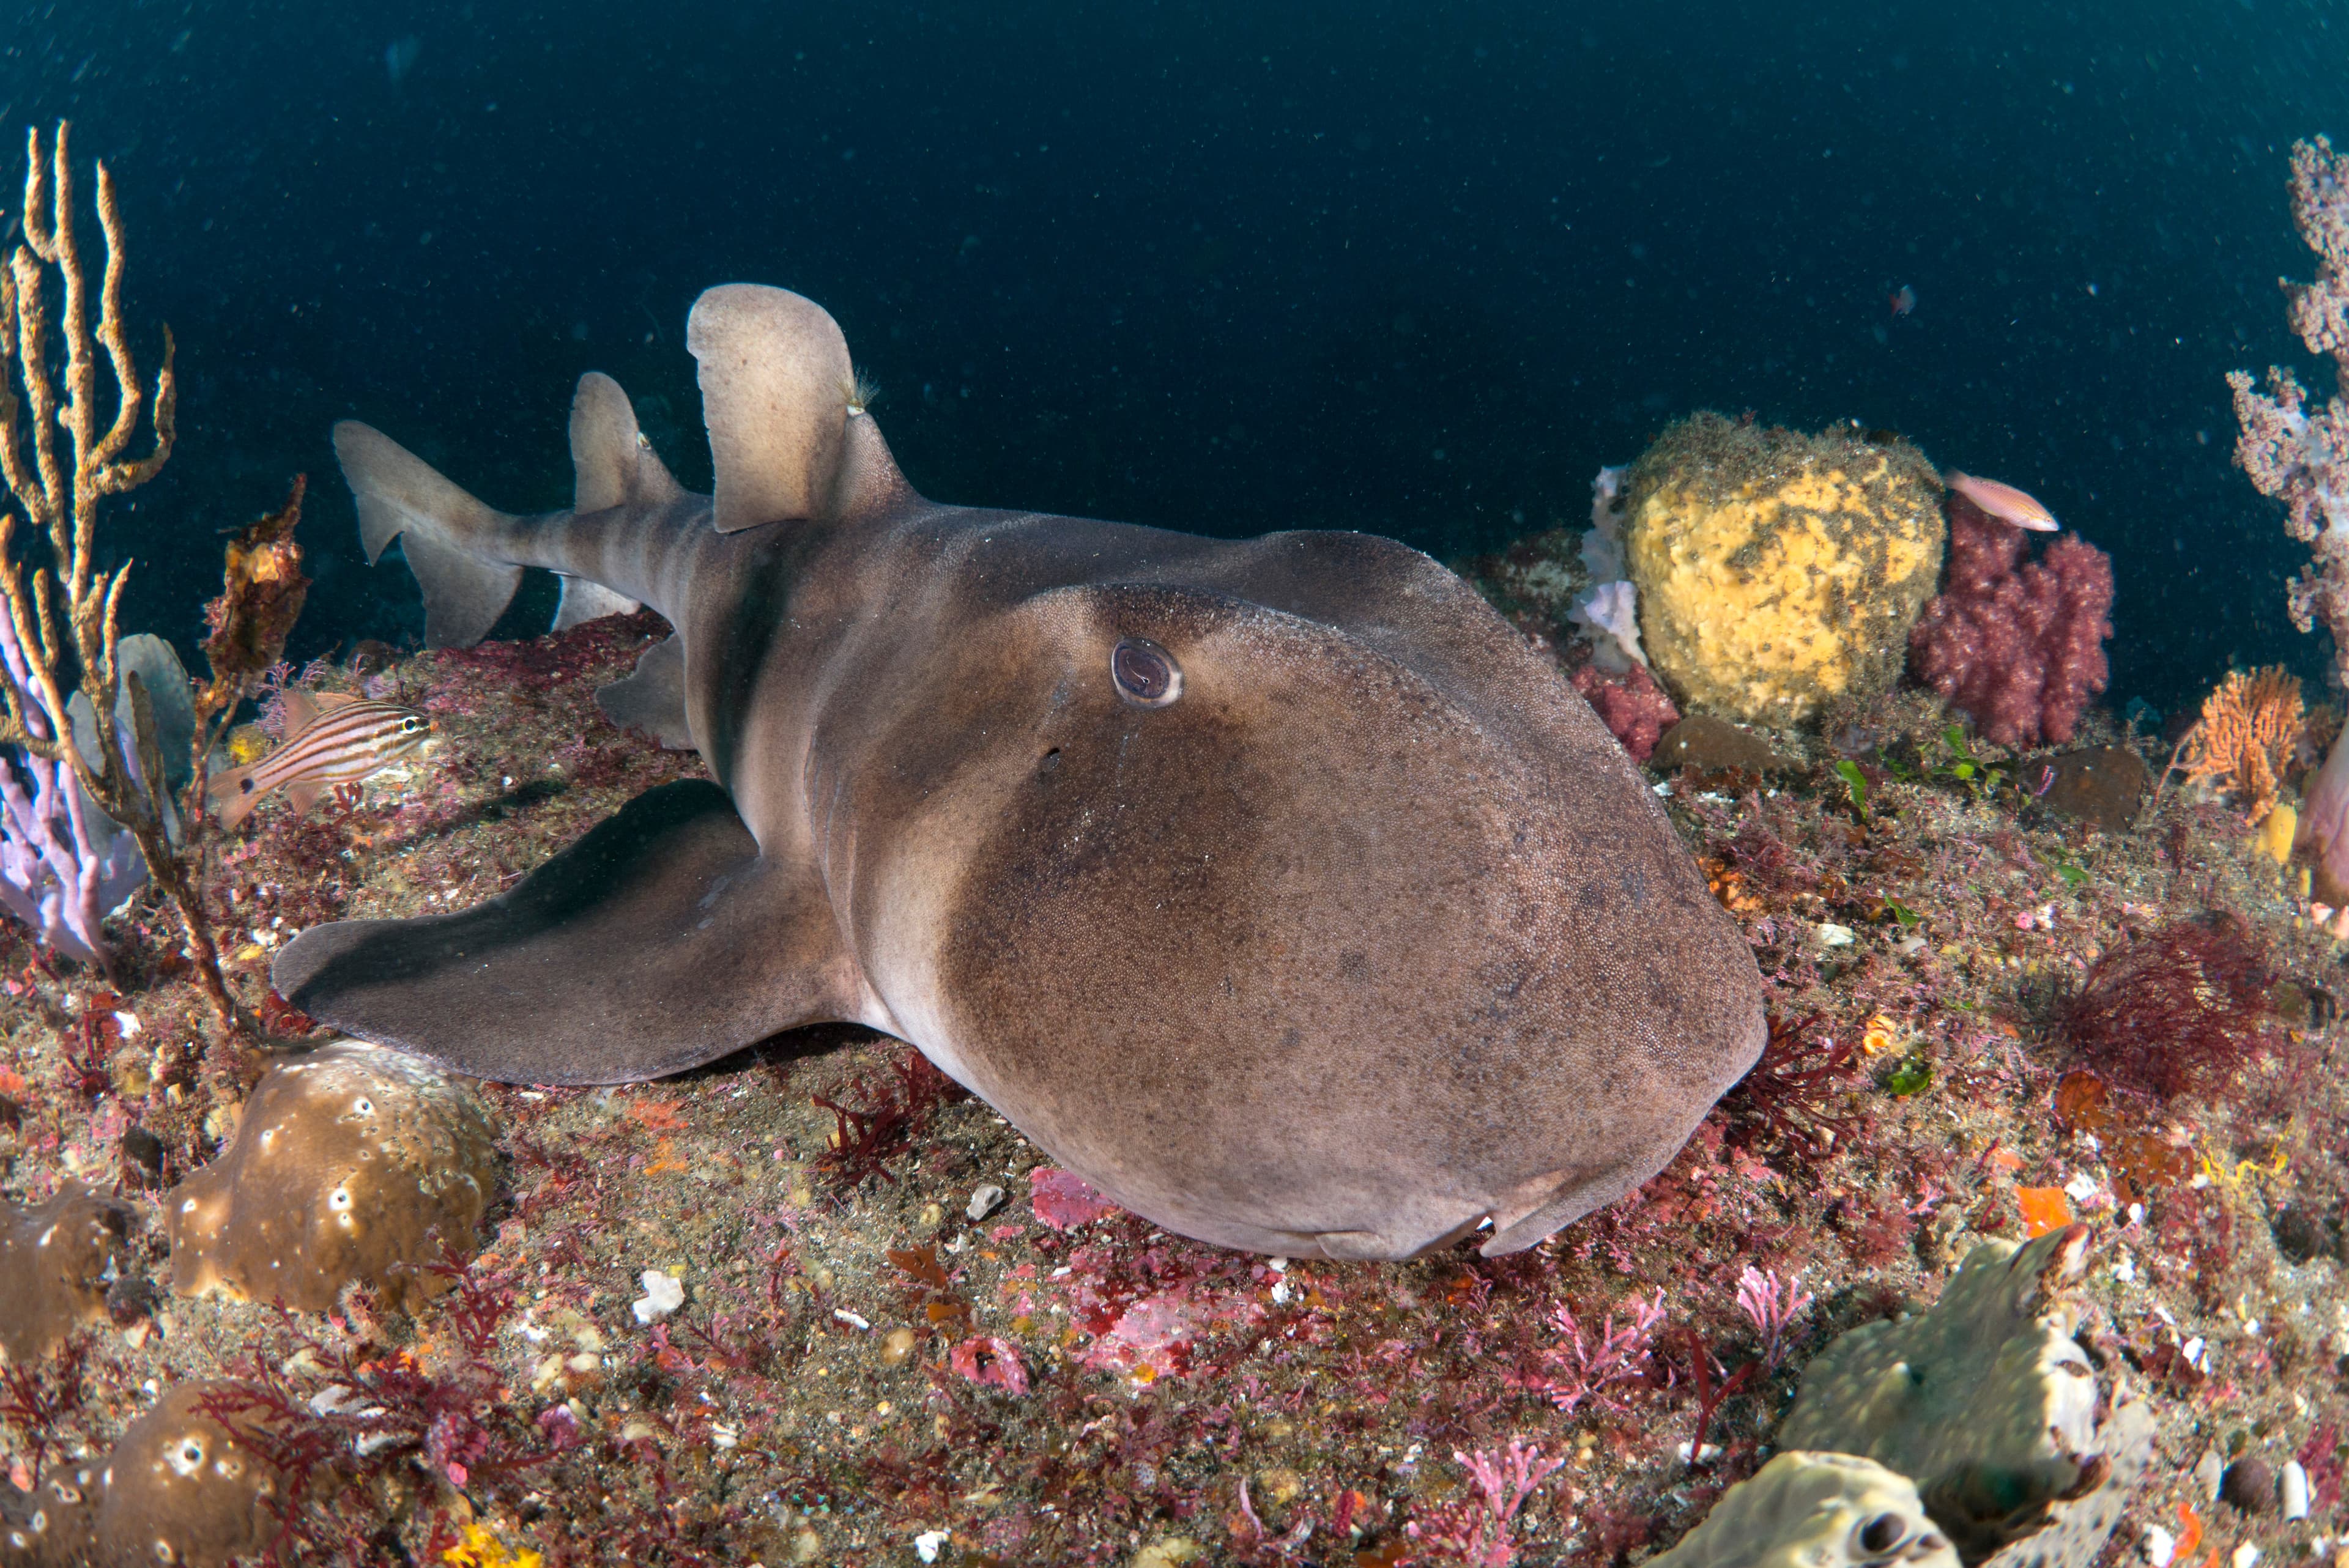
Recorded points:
(660,941)
(653,698)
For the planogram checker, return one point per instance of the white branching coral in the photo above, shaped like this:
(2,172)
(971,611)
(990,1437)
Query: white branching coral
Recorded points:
(2295,453)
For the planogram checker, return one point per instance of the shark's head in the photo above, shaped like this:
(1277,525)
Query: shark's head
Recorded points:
(1327,919)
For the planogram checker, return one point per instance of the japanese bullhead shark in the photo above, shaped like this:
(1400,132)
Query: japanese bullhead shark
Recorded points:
(1277,887)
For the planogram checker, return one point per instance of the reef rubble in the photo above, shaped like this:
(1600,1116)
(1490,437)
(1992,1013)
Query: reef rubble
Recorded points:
(901,1336)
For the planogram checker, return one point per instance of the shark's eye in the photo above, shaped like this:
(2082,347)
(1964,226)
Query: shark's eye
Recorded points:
(1145,674)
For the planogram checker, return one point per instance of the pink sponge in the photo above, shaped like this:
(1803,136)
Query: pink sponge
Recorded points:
(1631,706)
(2019,646)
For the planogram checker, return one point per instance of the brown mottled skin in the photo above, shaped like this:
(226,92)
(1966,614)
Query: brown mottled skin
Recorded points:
(1372,934)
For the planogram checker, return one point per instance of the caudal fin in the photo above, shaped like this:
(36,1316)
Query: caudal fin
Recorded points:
(233,796)
(450,539)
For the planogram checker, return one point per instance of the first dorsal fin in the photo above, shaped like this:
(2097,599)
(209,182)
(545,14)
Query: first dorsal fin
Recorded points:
(301,711)
(614,462)
(777,391)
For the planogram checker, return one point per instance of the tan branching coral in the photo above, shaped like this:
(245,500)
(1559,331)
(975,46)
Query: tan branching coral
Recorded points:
(61,458)
(2249,728)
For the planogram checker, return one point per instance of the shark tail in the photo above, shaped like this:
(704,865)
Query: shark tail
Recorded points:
(454,544)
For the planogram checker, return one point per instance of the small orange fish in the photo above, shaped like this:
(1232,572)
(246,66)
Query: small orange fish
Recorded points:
(2004,502)
(331,738)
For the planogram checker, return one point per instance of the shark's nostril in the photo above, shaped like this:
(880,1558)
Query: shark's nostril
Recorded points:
(1145,674)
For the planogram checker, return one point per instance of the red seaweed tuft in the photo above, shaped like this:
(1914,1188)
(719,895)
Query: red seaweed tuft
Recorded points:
(2179,1012)
(879,1121)
(1793,1098)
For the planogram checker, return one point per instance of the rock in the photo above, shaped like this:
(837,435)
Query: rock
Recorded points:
(143,1156)
(1713,745)
(2249,1485)
(985,1201)
(1806,1510)
(2100,785)
(1987,1403)
(2302,1234)
(131,1297)
(57,1260)
(349,1165)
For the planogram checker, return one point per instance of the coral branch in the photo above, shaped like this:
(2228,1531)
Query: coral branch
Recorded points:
(2299,456)
(64,615)
(2017,645)
(2249,729)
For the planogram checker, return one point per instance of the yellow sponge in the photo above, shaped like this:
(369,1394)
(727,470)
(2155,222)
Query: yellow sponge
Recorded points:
(1779,572)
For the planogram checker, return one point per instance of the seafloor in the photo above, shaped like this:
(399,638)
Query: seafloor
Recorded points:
(863,1373)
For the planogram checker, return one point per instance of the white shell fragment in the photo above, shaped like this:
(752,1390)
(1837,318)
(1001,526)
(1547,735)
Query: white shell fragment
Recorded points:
(664,1293)
(2291,1487)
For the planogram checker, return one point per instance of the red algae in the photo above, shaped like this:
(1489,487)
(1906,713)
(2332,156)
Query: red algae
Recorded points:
(2181,1011)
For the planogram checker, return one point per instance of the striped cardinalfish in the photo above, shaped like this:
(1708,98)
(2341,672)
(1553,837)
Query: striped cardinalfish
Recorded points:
(2004,502)
(331,738)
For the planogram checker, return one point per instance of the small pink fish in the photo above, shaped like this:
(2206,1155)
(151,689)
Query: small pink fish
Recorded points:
(1904,300)
(2004,502)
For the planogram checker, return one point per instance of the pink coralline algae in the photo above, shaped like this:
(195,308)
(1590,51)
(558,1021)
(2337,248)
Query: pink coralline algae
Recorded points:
(2019,646)
(1064,1200)
(990,1361)
(2295,454)
(1631,706)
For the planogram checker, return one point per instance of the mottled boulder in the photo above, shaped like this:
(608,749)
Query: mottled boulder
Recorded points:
(2099,785)
(1808,1509)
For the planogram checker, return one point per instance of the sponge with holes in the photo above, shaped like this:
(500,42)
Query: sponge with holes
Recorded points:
(351,1165)
(57,1261)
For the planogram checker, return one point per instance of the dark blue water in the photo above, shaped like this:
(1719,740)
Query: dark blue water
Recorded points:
(1416,269)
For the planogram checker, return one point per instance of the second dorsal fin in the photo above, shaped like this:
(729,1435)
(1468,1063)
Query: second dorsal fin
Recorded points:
(614,462)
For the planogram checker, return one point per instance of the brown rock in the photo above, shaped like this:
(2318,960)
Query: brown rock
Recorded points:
(1713,746)
(2302,1234)
(2249,1485)
(2100,785)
